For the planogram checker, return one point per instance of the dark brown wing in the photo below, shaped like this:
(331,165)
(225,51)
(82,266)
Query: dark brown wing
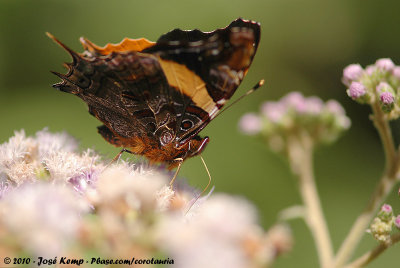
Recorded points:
(178,84)
(127,91)
(206,68)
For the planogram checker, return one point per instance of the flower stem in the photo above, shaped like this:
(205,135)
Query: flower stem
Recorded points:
(300,150)
(384,187)
(374,253)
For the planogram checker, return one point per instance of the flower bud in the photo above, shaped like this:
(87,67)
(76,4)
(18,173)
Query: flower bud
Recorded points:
(352,73)
(370,69)
(396,72)
(314,105)
(334,107)
(386,213)
(383,86)
(250,124)
(357,92)
(273,111)
(397,222)
(385,64)
(381,229)
(296,101)
(387,101)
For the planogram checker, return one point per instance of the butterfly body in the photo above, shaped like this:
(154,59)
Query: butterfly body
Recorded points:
(155,97)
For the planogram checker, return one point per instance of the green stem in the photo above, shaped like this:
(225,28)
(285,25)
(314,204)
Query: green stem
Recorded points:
(300,150)
(374,253)
(384,187)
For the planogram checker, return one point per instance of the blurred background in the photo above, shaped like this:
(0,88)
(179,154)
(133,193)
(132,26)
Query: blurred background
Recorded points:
(304,47)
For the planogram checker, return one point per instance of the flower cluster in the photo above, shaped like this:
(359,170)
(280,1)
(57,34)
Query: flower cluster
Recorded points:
(55,201)
(376,84)
(294,114)
(382,225)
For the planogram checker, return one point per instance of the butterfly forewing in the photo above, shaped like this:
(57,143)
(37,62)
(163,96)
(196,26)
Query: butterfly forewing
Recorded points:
(207,68)
(156,97)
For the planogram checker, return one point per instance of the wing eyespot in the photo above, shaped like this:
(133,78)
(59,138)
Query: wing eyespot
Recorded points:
(186,124)
(166,137)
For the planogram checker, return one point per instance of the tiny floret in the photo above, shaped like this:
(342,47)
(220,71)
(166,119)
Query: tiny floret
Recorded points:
(385,64)
(396,72)
(334,107)
(381,229)
(250,124)
(370,69)
(387,98)
(356,90)
(273,111)
(386,208)
(296,101)
(397,222)
(351,73)
(314,105)
(386,213)
(383,87)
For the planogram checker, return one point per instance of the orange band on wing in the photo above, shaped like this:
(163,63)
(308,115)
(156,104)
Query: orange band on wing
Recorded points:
(126,44)
(188,83)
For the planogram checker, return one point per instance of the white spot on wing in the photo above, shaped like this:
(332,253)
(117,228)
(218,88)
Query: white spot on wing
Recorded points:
(221,101)
(174,43)
(215,52)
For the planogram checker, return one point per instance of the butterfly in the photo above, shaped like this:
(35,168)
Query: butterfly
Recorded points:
(155,97)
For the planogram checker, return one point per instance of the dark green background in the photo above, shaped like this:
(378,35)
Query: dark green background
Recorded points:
(304,47)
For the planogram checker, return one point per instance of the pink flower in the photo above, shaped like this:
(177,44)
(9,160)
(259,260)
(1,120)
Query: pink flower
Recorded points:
(397,221)
(295,100)
(396,72)
(386,213)
(386,208)
(352,73)
(387,98)
(370,69)
(356,90)
(250,124)
(314,105)
(383,86)
(385,64)
(273,111)
(335,107)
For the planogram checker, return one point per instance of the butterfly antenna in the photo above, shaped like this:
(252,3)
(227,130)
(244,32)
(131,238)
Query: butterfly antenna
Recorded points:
(254,88)
(177,171)
(205,189)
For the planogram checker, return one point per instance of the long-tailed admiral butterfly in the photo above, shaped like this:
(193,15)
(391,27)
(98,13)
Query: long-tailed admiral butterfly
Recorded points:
(155,97)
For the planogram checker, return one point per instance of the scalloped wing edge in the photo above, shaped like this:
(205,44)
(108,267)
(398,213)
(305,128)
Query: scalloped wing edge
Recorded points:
(127,44)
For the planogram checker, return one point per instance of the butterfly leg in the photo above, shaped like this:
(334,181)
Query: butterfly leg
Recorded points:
(177,171)
(118,156)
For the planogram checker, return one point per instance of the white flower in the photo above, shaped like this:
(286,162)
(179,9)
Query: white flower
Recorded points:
(17,158)
(216,232)
(18,148)
(55,142)
(139,190)
(43,216)
(64,165)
